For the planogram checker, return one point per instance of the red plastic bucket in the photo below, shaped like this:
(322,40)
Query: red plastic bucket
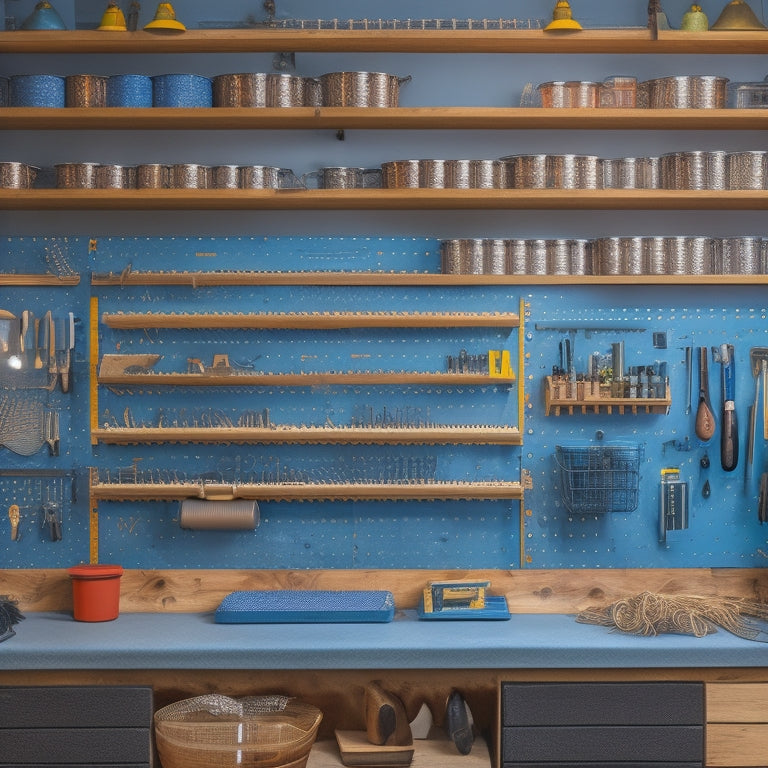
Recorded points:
(96,592)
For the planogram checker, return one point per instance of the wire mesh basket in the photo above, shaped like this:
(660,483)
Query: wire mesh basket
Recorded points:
(599,478)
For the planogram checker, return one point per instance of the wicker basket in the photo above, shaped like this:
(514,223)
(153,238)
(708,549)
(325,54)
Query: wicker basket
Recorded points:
(217,731)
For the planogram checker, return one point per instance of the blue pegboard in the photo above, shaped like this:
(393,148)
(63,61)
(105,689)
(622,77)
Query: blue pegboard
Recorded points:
(723,529)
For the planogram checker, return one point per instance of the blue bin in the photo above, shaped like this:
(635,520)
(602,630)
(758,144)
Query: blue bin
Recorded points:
(182,91)
(4,91)
(37,91)
(129,91)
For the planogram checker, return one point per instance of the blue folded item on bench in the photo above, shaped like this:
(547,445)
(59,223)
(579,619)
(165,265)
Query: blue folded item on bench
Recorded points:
(289,606)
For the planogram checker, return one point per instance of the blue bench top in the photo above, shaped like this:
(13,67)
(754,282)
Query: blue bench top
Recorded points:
(53,640)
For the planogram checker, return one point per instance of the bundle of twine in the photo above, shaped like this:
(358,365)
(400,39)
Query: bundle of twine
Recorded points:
(652,614)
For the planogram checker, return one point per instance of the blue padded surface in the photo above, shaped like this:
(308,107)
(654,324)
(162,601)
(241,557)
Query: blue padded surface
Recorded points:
(281,606)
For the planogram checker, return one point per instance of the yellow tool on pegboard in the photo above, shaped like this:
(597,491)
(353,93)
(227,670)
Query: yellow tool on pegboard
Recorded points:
(93,521)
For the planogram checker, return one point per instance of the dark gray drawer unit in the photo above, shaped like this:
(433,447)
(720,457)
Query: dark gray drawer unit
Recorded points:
(610,725)
(44,726)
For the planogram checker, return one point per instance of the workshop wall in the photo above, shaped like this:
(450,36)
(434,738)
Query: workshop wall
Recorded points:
(49,469)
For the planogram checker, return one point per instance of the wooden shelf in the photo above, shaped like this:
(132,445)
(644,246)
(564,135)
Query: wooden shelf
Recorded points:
(307,491)
(568,406)
(398,118)
(224,278)
(380,199)
(311,320)
(434,435)
(621,41)
(31,279)
(350,378)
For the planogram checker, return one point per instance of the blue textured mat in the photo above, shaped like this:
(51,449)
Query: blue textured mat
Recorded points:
(285,606)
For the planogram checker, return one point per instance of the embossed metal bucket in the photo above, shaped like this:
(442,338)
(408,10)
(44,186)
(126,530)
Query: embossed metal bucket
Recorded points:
(360,89)
(15,175)
(86,91)
(240,90)
(76,175)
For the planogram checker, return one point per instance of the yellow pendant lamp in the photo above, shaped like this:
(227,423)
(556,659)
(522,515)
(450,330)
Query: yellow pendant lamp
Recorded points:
(562,18)
(113,19)
(165,20)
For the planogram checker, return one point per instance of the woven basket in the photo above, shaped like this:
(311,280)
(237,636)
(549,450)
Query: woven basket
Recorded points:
(217,731)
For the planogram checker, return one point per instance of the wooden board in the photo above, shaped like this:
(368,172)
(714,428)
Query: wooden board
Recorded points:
(527,591)
(428,753)
(737,703)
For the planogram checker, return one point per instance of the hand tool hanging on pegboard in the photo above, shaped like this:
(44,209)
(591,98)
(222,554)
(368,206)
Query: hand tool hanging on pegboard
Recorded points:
(705,417)
(729,430)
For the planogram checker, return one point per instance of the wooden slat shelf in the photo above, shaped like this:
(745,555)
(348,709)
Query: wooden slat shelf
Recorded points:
(434,435)
(416,491)
(31,279)
(197,41)
(568,406)
(381,199)
(351,378)
(223,278)
(397,118)
(311,320)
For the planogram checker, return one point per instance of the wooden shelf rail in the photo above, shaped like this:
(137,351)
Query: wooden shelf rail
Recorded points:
(381,199)
(350,378)
(389,118)
(32,279)
(425,491)
(245,277)
(448,434)
(310,320)
(623,41)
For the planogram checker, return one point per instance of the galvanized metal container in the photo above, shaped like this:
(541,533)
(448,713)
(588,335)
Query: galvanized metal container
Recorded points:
(225,177)
(86,90)
(360,89)
(568,93)
(688,92)
(153,176)
(115,177)
(15,175)
(747,170)
(260,177)
(247,89)
(693,170)
(284,90)
(189,176)
(76,175)
(343,177)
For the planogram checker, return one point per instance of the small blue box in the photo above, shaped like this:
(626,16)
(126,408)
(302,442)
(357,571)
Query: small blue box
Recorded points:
(129,91)
(37,91)
(182,91)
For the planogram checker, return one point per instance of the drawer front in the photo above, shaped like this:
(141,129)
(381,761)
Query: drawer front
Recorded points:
(602,703)
(664,764)
(737,744)
(737,702)
(75,706)
(80,746)
(554,744)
